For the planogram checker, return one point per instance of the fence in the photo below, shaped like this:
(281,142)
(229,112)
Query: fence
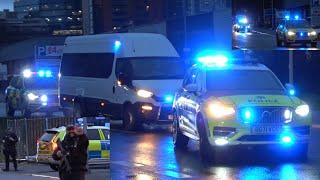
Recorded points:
(30,130)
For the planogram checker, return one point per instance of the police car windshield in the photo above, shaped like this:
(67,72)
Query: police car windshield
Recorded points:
(35,83)
(243,81)
(298,24)
(147,68)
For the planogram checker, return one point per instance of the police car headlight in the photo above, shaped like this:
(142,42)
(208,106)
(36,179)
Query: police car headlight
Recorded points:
(44,98)
(302,110)
(218,110)
(312,33)
(32,96)
(144,93)
(291,33)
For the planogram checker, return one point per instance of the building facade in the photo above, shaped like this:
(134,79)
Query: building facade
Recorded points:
(61,15)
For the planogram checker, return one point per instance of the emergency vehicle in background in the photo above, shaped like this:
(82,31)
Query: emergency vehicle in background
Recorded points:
(35,88)
(225,103)
(241,24)
(294,30)
(98,150)
(130,76)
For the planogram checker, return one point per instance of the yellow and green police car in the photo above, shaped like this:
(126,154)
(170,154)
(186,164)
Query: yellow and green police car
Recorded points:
(98,150)
(238,104)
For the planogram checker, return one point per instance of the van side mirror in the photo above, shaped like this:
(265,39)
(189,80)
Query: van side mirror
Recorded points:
(192,88)
(290,89)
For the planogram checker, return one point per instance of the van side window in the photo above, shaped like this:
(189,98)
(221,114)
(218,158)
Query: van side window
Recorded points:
(94,65)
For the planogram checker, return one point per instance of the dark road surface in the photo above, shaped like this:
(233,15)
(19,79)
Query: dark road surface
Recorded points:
(151,155)
(262,39)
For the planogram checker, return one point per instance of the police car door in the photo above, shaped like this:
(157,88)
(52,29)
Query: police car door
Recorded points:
(189,104)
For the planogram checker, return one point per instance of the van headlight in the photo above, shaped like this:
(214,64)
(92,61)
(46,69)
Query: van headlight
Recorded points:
(218,110)
(32,96)
(302,110)
(144,93)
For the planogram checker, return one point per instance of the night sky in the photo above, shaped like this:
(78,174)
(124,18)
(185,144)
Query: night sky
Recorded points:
(6,4)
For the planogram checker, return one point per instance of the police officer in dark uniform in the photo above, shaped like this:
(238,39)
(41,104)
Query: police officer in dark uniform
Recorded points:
(9,143)
(74,150)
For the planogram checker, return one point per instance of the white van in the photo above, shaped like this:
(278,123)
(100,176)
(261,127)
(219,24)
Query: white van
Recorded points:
(129,76)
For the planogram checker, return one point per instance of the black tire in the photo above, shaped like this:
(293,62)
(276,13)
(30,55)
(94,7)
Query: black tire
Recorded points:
(314,44)
(130,122)
(279,44)
(9,110)
(180,141)
(54,167)
(207,153)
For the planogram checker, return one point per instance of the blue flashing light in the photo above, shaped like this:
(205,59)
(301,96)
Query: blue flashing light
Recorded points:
(243,20)
(287,17)
(168,99)
(214,60)
(296,17)
(48,74)
(292,92)
(117,45)
(287,139)
(41,73)
(248,115)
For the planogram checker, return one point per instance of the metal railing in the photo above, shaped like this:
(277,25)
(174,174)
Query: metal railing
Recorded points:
(30,130)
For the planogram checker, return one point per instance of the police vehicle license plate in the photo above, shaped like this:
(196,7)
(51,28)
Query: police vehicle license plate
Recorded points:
(266,129)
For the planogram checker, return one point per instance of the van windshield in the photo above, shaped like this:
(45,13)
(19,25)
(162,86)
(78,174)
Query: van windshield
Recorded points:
(146,68)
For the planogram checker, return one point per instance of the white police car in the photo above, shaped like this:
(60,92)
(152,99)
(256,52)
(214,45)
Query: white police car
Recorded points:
(225,105)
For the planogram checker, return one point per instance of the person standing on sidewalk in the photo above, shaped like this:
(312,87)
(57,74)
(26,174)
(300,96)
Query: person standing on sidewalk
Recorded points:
(9,149)
(73,152)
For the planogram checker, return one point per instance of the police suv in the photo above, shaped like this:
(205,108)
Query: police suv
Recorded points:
(291,31)
(225,105)
(241,24)
(129,76)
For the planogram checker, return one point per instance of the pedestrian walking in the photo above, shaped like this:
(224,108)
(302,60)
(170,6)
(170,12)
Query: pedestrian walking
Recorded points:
(72,154)
(9,149)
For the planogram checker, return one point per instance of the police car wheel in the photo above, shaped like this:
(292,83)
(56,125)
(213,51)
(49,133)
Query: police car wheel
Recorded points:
(180,141)
(206,151)
(54,167)
(130,122)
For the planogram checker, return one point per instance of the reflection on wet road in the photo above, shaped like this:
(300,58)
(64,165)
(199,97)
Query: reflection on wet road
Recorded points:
(151,155)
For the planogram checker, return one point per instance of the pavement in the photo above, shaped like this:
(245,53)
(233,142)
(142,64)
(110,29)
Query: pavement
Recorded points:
(32,171)
(261,39)
(151,155)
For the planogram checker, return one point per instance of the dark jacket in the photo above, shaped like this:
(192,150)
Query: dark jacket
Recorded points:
(77,149)
(9,143)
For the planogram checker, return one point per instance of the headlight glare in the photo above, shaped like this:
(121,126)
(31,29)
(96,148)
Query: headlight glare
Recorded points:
(32,96)
(302,110)
(312,33)
(218,110)
(291,33)
(44,98)
(144,93)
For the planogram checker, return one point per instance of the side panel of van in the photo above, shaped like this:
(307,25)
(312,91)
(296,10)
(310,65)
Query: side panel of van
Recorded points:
(86,81)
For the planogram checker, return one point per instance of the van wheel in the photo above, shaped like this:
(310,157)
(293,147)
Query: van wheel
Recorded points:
(206,151)
(54,167)
(130,122)
(180,141)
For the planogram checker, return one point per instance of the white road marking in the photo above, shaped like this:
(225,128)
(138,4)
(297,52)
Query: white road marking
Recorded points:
(44,176)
